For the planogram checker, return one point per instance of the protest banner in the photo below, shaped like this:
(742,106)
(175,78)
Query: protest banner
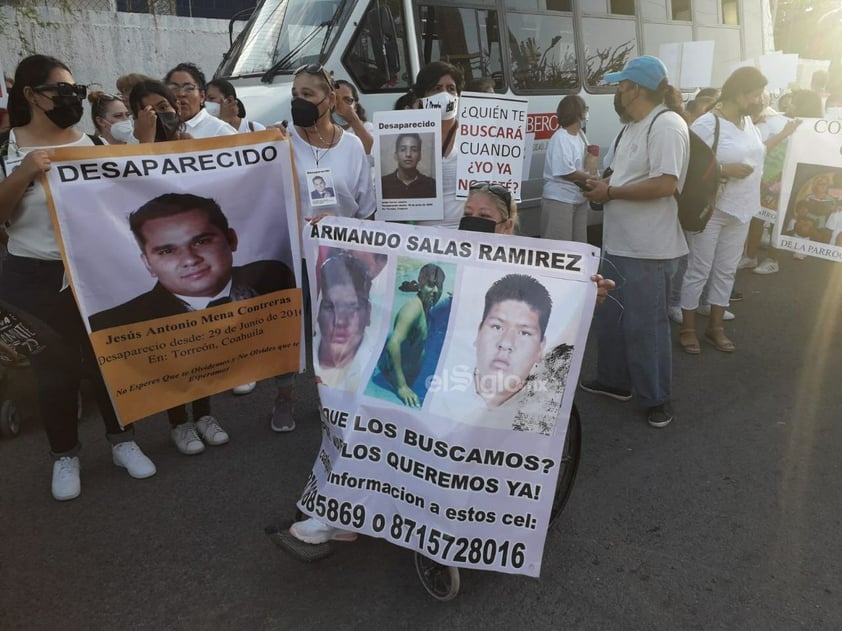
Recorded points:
(490,144)
(407,160)
(810,212)
(184,259)
(446,365)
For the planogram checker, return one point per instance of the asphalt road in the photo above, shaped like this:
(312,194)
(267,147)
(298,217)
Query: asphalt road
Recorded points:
(727,519)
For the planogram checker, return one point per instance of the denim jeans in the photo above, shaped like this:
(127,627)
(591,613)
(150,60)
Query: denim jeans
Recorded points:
(33,286)
(633,333)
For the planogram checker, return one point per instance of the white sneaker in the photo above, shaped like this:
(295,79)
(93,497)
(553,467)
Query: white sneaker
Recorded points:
(704,310)
(66,482)
(129,456)
(799,256)
(186,439)
(211,431)
(769,266)
(246,388)
(313,531)
(747,262)
(676,315)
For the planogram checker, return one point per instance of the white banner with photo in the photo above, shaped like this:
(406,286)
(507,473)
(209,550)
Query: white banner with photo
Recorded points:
(184,258)
(490,143)
(407,161)
(810,210)
(446,364)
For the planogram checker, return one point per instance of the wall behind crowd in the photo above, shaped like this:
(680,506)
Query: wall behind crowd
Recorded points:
(100,46)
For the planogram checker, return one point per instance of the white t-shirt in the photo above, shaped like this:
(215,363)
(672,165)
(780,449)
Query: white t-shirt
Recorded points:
(453,208)
(565,154)
(203,125)
(349,172)
(648,229)
(245,129)
(738,198)
(31,227)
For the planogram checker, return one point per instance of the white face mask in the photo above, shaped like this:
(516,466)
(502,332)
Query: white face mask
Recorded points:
(212,108)
(122,130)
(444,101)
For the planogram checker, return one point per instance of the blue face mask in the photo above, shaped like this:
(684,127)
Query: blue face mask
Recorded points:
(339,120)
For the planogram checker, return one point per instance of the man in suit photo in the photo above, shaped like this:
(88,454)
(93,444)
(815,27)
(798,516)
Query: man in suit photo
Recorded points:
(320,189)
(188,246)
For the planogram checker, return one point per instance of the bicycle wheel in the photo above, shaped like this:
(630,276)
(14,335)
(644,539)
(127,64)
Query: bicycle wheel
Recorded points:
(441,581)
(570,456)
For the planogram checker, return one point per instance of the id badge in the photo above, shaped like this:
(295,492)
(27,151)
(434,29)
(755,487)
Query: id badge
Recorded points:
(320,188)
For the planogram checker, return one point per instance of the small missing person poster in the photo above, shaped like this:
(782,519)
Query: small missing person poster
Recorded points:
(184,258)
(407,161)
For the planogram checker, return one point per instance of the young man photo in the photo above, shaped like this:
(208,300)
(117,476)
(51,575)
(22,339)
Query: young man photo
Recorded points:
(407,181)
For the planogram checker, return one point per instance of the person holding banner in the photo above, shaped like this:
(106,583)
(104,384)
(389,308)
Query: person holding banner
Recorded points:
(44,106)
(439,85)
(564,210)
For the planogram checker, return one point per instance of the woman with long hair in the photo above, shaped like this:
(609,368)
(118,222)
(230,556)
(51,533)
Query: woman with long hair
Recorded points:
(716,251)
(44,106)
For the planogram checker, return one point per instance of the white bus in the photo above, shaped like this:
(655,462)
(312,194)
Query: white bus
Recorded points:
(537,49)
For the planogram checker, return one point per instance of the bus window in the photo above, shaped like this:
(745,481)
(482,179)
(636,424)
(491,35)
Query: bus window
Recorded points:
(543,52)
(609,43)
(467,38)
(377,57)
(730,12)
(681,10)
(622,7)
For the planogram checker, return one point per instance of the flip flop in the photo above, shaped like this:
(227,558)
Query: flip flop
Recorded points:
(716,336)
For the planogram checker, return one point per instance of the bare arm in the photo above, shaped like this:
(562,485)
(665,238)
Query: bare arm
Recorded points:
(14,186)
(406,319)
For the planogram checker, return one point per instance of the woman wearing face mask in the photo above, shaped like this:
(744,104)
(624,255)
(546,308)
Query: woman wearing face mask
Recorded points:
(111,118)
(323,149)
(188,85)
(44,105)
(221,101)
(155,113)
(439,85)
(350,115)
(716,251)
(564,210)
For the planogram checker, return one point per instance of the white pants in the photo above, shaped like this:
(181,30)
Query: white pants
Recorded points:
(714,254)
(563,221)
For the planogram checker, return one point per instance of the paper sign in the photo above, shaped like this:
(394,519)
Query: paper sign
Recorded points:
(780,69)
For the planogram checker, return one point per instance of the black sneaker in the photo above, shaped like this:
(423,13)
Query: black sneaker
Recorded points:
(736,296)
(595,387)
(660,415)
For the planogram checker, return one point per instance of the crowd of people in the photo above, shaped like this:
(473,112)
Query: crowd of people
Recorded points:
(643,244)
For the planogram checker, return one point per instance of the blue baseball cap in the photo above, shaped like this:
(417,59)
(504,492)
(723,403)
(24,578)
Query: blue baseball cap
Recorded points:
(645,70)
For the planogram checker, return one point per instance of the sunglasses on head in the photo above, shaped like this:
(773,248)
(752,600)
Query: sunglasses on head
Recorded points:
(316,69)
(498,190)
(64,89)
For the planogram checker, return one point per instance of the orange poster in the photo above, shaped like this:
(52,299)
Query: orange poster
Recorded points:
(184,258)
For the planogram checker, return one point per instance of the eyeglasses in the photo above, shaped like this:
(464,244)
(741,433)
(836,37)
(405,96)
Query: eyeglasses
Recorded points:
(498,190)
(64,89)
(187,88)
(316,69)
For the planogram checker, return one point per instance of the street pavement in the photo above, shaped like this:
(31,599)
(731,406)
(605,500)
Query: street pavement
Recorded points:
(727,519)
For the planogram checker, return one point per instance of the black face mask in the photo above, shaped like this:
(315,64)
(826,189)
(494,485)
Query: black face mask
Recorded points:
(305,113)
(67,111)
(166,125)
(477,224)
